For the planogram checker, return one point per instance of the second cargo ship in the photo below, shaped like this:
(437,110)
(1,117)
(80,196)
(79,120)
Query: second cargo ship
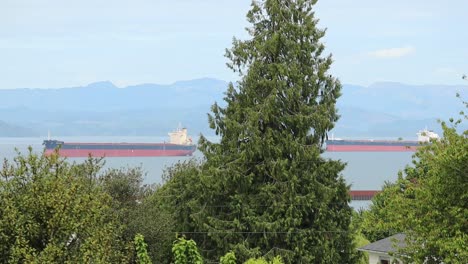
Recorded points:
(180,144)
(370,145)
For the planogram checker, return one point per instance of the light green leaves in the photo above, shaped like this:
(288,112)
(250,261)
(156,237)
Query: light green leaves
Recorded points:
(186,251)
(141,252)
(54,211)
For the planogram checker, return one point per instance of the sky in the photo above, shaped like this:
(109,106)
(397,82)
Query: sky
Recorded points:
(56,43)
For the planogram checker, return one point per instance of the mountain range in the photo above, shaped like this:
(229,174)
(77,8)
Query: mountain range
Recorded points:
(384,109)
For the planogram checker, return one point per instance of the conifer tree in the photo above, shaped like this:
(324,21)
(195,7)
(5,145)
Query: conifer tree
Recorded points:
(265,189)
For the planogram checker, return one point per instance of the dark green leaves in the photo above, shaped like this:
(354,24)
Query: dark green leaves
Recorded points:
(264,189)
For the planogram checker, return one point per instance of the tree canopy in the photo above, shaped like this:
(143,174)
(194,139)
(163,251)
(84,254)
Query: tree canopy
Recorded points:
(264,189)
(428,202)
(52,211)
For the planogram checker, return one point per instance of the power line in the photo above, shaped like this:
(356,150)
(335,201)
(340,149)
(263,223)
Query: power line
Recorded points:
(260,232)
(303,231)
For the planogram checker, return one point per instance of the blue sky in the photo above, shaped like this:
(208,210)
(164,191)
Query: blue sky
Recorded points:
(56,43)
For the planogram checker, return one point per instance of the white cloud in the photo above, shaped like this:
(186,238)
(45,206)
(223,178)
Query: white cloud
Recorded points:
(392,52)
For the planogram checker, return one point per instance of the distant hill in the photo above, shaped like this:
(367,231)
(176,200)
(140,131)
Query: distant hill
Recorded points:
(391,109)
(405,101)
(106,97)
(100,109)
(104,109)
(8,130)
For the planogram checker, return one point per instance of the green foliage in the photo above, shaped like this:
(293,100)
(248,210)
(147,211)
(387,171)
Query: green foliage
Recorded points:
(125,185)
(359,239)
(52,211)
(229,258)
(181,192)
(141,252)
(142,210)
(186,252)
(379,222)
(428,202)
(276,260)
(156,223)
(169,210)
(264,189)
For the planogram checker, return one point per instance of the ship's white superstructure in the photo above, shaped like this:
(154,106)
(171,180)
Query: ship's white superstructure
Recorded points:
(179,137)
(426,135)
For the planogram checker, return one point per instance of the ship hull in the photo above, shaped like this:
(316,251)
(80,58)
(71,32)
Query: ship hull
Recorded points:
(118,153)
(118,149)
(371,146)
(363,195)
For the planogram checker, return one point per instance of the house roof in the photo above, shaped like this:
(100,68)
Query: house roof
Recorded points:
(386,245)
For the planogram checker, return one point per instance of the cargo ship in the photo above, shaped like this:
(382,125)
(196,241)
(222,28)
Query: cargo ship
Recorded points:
(363,145)
(179,145)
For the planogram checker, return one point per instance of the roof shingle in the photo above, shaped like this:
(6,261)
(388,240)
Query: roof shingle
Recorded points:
(386,245)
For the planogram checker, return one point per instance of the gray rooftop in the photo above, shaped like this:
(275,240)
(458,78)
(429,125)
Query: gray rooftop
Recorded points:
(386,245)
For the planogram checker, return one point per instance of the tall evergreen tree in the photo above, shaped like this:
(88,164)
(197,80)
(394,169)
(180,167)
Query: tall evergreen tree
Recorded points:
(265,189)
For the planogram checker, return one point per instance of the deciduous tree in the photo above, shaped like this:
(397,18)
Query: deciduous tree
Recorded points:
(186,251)
(141,209)
(141,250)
(53,211)
(429,201)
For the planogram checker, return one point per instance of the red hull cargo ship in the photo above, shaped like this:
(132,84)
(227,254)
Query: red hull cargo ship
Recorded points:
(369,145)
(179,145)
